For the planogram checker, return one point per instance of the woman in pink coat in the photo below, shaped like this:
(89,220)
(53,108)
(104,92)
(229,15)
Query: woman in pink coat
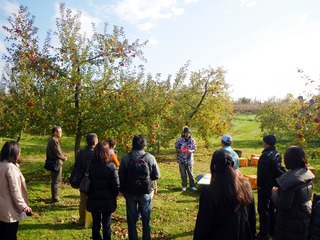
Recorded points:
(13,195)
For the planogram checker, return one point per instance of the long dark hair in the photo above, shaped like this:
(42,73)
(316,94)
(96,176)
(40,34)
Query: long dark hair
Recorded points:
(101,152)
(229,188)
(10,152)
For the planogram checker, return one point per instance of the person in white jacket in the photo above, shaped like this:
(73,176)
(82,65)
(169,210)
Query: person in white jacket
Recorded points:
(13,195)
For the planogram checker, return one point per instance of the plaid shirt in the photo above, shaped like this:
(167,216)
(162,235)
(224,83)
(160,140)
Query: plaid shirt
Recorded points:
(185,157)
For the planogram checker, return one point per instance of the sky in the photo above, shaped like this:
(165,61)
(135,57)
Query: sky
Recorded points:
(260,43)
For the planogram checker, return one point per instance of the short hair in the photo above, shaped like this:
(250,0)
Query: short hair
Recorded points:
(10,151)
(91,139)
(138,142)
(295,158)
(111,142)
(55,129)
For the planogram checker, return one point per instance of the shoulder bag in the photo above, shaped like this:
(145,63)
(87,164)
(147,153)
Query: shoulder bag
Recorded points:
(85,183)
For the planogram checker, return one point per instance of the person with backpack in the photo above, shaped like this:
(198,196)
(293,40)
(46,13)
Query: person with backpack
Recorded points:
(185,147)
(267,172)
(83,158)
(293,197)
(137,171)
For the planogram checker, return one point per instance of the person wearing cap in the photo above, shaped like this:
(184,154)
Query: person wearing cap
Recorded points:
(186,146)
(265,182)
(226,142)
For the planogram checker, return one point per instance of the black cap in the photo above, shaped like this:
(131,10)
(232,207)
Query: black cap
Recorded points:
(270,139)
(186,129)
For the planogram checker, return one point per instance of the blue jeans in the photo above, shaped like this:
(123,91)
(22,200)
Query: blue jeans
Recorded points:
(184,170)
(138,203)
(98,218)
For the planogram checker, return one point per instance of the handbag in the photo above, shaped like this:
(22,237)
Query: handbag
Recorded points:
(53,166)
(75,178)
(85,183)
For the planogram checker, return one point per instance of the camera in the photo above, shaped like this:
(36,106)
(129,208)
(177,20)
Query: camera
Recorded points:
(29,214)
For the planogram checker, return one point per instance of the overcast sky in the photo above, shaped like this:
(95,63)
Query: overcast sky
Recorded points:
(261,43)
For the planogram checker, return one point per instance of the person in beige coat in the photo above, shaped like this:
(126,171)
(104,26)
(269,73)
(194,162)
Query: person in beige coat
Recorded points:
(13,195)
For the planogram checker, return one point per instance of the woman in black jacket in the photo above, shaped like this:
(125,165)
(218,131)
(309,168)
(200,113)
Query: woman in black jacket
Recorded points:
(104,189)
(293,198)
(226,208)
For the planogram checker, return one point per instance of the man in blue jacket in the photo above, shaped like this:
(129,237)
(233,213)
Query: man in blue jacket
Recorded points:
(226,142)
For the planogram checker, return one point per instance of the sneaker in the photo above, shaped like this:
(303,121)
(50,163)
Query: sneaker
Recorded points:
(184,189)
(194,189)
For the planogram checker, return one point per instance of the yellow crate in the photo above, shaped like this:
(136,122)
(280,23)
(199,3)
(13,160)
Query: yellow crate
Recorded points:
(243,162)
(253,180)
(254,161)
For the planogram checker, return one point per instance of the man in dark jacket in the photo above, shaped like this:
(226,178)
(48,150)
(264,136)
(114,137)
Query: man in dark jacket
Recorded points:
(54,154)
(142,202)
(82,160)
(266,180)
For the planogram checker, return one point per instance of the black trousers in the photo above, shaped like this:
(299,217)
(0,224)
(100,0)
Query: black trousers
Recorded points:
(8,231)
(56,179)
(267,212)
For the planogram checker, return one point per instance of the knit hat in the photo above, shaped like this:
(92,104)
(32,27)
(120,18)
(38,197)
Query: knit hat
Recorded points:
(186,130)
(270,139)
(227,139)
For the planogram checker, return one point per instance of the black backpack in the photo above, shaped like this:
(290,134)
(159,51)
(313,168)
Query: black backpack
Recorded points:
(276,167)
(139,181)
(279,169)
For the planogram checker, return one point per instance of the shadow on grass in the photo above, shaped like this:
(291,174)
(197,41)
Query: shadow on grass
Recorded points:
(182,235)
(49,226)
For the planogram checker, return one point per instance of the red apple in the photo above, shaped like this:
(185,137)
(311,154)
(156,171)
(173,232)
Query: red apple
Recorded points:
(30,104)
(295,115)
(300,135)
(316,120)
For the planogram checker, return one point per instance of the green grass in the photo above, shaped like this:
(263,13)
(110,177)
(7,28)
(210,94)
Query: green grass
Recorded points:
(174,212)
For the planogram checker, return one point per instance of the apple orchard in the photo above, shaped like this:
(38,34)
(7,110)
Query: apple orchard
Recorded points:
(97,84)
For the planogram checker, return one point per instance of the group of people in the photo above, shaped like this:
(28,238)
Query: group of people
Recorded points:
(107,178)
(227,206)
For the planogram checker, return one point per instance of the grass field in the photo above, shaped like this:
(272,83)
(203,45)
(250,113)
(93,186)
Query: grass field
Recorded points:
(174,212)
